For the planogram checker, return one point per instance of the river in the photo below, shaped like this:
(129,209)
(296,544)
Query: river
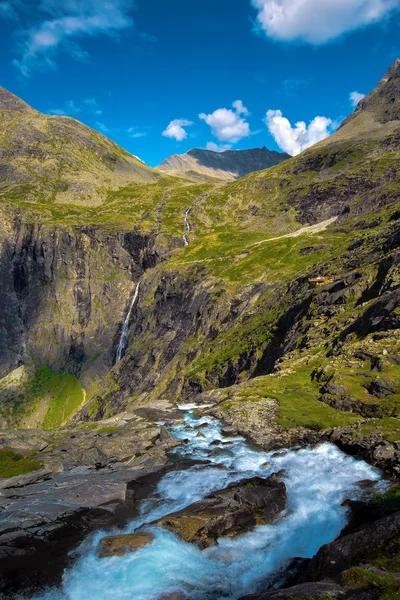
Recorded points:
(317,480)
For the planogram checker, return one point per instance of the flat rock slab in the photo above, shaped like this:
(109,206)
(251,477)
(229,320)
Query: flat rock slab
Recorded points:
(119,545)
(229,512)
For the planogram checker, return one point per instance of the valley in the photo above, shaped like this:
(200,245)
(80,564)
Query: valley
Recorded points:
(139,306)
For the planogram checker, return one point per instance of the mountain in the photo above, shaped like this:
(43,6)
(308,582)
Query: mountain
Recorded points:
(275,297)
(381,104)
(206,165)
(55,159)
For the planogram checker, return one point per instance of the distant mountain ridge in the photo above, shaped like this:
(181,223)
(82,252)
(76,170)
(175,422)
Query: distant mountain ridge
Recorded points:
(206,165)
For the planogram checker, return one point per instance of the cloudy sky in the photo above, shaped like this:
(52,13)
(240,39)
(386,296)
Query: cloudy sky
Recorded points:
(163,76)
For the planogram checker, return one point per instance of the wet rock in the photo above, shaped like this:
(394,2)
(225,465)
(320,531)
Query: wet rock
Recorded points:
(200,435)
(119,545)
(354,548)
(305,591)
(171,596)
(229,512)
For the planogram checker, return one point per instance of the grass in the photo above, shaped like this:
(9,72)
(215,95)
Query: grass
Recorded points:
(358,578)
(298,397)
(12,464)
(41,391)
(66,397)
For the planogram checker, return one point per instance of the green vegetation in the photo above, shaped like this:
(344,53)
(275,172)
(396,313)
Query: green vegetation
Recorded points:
(66,396)
(12,464)
(358,578)
(390,499)
(41,397)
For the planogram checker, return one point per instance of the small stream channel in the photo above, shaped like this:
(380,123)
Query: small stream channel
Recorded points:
(317,481)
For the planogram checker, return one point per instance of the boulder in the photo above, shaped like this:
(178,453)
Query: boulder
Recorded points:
(228,512)
(354,548)
(381,388)
(305,591)
(118,545)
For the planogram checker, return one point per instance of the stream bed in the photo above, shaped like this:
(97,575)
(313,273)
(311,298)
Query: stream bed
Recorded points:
(317,482)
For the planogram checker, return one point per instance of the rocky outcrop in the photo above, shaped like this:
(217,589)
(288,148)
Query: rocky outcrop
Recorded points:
(118,545)
(42,522)
(229,512)
(305,591)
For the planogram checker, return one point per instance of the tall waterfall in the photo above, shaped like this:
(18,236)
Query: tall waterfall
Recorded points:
(187,226)
(124,333)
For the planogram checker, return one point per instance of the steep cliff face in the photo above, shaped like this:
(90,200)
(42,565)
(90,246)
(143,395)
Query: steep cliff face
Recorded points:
(64,294)
(234,306)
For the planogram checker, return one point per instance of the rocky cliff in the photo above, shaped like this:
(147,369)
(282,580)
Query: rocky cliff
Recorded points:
(233,307)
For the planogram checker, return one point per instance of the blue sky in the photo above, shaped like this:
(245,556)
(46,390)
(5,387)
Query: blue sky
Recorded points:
(163,76)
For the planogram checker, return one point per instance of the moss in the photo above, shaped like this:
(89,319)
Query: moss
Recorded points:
(358,578)
(12,464)
(390,499)
(109,429)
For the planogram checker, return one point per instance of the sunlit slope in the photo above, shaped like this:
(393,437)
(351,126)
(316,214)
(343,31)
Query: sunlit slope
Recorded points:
(354,171)
(58,160)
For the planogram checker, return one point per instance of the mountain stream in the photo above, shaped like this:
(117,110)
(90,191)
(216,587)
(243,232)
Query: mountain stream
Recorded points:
(317,480)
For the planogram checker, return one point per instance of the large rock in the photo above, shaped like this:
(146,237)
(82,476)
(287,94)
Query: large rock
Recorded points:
(305,591)
(229,512)
(354,548)
(118,545)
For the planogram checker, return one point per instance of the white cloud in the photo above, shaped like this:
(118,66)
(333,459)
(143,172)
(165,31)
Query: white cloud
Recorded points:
(240,109)
(218,147)
(101,126)
(92,105)
(294,140)
(176,129)
(355,98)
(227,125)
(135,133)
(69,20)
(318,21)
(69,108)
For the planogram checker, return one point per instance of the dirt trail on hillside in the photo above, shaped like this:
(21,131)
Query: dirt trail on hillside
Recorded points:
(309,229)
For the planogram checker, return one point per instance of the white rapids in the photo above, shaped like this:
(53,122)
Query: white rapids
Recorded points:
(317,481)
(125,327)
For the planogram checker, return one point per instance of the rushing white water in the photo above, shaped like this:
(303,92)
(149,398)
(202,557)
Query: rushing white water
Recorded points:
(317,481)
(125,327)
(185,236)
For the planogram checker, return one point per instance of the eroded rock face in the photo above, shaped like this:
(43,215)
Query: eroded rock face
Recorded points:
(229,512)
(118,545)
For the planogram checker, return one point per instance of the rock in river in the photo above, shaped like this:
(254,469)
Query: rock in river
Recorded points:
(118,545)
(229,512)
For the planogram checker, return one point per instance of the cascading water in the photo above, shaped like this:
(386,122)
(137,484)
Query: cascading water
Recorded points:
(317,482)
(124,332)
(185,236)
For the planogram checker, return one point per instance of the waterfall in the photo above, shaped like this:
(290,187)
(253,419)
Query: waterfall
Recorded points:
(124,333)
(187,226)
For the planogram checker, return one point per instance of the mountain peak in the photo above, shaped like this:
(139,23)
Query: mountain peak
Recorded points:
(209,165)
(384,99)
(9,101)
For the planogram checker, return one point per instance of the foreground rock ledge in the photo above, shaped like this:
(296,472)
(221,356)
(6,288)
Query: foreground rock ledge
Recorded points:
(228,512)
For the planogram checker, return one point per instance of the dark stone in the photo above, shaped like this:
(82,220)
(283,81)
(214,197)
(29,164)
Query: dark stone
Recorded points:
(381,388)
(232,511)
